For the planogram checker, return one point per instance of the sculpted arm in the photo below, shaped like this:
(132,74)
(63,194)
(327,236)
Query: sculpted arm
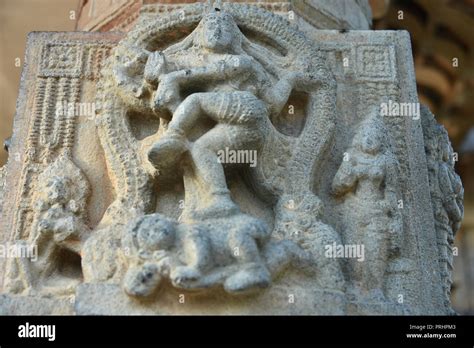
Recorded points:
(221,70)
(169,84)
(277,95)
(345,180)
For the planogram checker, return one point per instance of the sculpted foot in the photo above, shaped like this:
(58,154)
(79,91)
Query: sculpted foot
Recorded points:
(167,151)
(142,281)
(220,205)
(183,275)
(247,280)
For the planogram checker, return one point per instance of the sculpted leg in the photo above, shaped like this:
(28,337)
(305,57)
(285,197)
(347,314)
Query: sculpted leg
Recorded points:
(209,170)
(196,256)
(167,151)
(240,110)
(243,246)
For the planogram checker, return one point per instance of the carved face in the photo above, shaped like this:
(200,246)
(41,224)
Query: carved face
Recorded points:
(370,144)
(56,190)
(368,140)
(157,236)
(218,31)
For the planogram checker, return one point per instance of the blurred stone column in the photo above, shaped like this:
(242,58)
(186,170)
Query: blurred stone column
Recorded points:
(107,15)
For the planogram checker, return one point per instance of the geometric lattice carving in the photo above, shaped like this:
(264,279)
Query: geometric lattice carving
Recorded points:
(376,62)
(61,59)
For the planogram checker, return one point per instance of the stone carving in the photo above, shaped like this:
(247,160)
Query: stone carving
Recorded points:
(299,220)
(366,180)
(62,59)
(203,255)
(376,63)
(58,225)
(52,213)
(236,91)
(447,195)
(139,205)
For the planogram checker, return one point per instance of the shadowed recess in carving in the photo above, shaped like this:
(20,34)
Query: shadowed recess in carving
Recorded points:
(292,118)
(69,264)
(142,125)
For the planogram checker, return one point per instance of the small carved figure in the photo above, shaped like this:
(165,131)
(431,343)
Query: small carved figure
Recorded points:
(299,220)
(365,181)
(156,237)
(199,256)
(185,252)
(59,224)
(59,215)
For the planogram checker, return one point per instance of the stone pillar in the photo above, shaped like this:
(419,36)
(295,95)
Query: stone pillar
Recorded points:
(226,158)
(108,15)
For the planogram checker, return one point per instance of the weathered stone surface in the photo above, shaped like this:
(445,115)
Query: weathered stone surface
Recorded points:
(35,305)
(109,299)
(336,14)
(232,165)
(61,68)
